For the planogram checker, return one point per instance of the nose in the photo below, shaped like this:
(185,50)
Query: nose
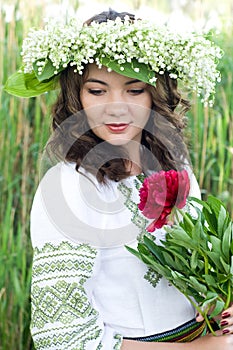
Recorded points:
(116,109)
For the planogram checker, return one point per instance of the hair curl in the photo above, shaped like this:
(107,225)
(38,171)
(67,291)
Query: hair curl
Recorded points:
(73,139)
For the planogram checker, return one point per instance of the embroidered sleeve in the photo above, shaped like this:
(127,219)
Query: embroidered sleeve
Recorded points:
(62,314)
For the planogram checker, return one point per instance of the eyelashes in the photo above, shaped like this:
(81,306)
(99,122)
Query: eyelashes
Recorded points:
(136,91)
(99,92)
(96,92)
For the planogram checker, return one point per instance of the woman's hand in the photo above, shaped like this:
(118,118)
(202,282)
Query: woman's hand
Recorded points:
(207,342)
(225,321)
(222,341)
(211,342)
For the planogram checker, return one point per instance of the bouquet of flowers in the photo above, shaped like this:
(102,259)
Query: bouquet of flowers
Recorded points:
(197,254)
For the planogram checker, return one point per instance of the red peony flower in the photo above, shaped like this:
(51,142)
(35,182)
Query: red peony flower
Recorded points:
(160,192)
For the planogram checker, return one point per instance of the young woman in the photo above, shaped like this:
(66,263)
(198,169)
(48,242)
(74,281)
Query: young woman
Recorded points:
(88,291)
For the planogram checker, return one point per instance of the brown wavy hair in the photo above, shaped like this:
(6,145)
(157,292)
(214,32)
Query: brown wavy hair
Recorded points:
(74,141)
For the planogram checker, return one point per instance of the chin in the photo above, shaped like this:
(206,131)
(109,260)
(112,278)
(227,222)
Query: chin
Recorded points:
(118,142)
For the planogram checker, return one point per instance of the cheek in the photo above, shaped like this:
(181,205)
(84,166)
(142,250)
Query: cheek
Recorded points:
(91,119)
(94,116)
(92,111)
(148,101)
(141,115)
(146,108)
(91,103)
(85,100)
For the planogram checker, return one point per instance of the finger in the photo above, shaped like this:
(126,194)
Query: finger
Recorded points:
(219,332)
(228,329)
(228,312)
(226,322)
(199,317)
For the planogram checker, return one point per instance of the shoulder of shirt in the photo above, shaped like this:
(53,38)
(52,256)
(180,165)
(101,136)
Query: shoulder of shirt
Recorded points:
(66,169)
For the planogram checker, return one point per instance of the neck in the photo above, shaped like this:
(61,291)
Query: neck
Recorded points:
(134,164)
(134,169)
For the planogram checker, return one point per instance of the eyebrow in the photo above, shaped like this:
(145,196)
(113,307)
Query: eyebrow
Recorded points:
(104,83)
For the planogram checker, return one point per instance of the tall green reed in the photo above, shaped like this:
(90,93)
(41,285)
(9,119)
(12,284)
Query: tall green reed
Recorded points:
(211,129)
(23,133)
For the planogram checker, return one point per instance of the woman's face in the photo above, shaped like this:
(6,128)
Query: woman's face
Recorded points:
(117,107)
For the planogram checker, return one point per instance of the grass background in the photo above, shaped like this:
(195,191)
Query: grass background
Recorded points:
(24,130)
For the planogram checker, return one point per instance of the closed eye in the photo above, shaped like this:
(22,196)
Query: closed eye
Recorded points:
(96,92)
(136,91)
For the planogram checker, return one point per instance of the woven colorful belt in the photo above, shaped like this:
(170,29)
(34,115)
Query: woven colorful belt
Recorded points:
(187,332)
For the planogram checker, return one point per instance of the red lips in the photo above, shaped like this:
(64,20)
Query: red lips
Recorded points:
(114,127)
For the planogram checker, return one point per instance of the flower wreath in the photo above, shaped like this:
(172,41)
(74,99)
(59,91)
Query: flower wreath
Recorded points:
(137,49)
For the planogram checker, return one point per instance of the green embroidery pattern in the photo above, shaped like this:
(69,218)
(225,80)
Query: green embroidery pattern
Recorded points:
(152,277)
(76,338)
(59,300)
(118,344)
(140,221)
(100,346)
(63,302)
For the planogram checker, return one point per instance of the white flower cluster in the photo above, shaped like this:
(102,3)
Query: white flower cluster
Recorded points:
(186,56)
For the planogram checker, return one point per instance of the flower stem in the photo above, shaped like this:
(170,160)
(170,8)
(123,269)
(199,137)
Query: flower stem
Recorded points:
(180,211)
(229,295)
(206,264)
(204,314)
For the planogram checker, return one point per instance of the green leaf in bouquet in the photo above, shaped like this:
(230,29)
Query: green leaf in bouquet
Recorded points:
(215,257)
(143,249)
(221,220)
(226,267)
(165,271)
(192,292)
(134,252)
(211,216)
(209,300)
(198,236)
(180,261)
(219,307)
(169,260)
(147,259)
(222,278)
(194,260)
(199,201)
(210,280)
(154,249)
(180,237)
(200,287)
(231,268)
(197,232)
(187,222)
(179,281)
(217,216)
(226,242)
(201,265)
(231,247)
(215,244)
(211,296)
